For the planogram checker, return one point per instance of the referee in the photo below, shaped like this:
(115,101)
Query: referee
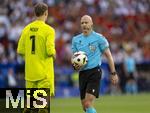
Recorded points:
(94,45)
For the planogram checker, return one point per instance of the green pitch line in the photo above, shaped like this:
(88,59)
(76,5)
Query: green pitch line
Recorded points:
(105,104)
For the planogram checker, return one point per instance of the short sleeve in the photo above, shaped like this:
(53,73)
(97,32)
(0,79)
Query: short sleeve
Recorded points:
(103,44)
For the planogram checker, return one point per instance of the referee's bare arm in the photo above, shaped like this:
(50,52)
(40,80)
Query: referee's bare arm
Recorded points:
(114,76)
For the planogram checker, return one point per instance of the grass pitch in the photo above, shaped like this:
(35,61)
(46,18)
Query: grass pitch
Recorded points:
(105,104)
(139,103)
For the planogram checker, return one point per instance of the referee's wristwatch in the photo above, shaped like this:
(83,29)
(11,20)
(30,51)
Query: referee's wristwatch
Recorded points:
(113,73)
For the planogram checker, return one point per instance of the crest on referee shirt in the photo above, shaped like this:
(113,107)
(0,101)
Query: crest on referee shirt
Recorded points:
(92,47)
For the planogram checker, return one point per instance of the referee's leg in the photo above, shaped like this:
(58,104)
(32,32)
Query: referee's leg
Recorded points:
(87,103)
(92,89)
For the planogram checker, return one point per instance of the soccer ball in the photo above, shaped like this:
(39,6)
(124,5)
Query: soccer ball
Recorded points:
(79,58)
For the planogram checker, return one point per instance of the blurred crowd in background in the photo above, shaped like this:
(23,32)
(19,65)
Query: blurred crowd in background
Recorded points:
(125,24)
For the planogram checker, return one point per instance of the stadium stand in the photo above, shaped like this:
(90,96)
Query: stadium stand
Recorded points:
(125,23)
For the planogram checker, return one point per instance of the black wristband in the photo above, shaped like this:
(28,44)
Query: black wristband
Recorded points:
(113,73)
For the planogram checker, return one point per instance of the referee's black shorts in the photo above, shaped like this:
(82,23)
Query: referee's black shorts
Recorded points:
(89,82)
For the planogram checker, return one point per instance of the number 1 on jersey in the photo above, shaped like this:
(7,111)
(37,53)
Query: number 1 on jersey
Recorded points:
(32,38)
